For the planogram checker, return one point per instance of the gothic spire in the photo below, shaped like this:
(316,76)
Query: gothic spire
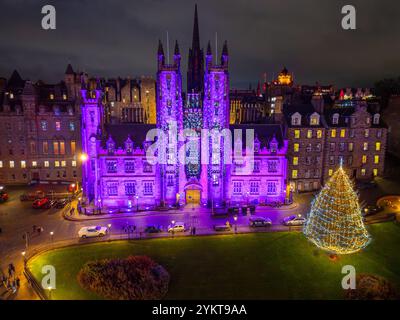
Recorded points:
(196,34)
(160,48)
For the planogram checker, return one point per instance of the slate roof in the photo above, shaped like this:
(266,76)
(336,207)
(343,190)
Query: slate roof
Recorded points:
(264,133)
(120,132)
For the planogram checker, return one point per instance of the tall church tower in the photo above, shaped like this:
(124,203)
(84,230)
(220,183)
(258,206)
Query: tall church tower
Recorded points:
(92,113)
(195,73)
(169,120)
(216,117)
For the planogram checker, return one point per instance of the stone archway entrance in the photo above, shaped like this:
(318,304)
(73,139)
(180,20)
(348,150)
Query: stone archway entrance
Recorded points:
(193,196)
(193,193)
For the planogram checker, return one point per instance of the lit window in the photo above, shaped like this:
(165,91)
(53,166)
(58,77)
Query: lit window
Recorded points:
(364,159)
(366,133)
(72,126)
(56,164)
(63,163)
(73,163)
(148,188)
(297,134)
(237,187)
(51,96)
(130,188)
(333,133)
(64,96)
(55,147)
(377,146)
(45,147)
(330,172)
(73,147)
(11,95)
(309,134)
(296,147)
(1,164)
(34,164)
(62,147)
(295,161)
(365,146)
(294,174)
(376,159)
(351,146)
(46,164)
(375,172)
(319,134)
(23,164)
(58,125)
(12,164)
(43,125)
(343,133)
(363,172)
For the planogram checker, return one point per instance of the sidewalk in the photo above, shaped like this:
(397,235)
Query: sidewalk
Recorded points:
(83,217)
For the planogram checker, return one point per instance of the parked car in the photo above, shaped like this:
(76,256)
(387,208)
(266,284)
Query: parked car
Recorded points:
(61,203)
(370,210)
(53,203)
(3,196)
(259,222)
(366,185)
(92,231)
(152,229)
(41,204)
(223,227)
(176,227)
(30,196)
(294,220)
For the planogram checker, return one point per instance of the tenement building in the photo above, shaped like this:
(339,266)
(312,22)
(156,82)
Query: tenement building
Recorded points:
(40,131)
(321,137)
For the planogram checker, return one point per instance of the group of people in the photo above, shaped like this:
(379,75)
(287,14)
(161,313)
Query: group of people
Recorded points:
(12,281)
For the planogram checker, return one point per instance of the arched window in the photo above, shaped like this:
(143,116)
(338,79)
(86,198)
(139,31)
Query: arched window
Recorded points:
(335,118)
(377,117)
(296,119)
(128,145)
(110,145)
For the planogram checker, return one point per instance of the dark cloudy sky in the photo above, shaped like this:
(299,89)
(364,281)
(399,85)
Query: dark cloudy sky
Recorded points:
(119,38)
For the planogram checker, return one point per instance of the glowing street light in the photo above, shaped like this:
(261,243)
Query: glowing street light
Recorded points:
(83,157)
(51,235)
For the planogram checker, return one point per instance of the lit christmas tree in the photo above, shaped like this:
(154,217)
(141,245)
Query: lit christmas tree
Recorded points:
(335,222)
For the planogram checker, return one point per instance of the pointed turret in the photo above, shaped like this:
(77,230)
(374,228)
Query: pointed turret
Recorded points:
(16,80)
(209,55)
(224,55)
(69,70)
(177,55)
(160,53)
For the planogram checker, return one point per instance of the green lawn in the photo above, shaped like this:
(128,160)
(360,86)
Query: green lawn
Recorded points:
(250,266)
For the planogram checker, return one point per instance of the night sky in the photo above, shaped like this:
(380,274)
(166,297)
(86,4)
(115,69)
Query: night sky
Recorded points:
(119,38)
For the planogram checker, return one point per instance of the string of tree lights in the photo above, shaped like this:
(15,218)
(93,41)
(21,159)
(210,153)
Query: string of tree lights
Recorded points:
(335,222)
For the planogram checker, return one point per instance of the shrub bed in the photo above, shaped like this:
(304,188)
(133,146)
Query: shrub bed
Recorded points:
(133,278)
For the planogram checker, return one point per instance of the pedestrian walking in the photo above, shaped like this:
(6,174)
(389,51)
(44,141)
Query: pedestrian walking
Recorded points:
(194,231)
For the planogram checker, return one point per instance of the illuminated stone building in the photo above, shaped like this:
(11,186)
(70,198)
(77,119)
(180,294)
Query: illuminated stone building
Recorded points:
(119,173)
(40,131)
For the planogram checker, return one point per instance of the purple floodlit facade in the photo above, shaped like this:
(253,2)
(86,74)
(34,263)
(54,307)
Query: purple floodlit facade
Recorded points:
(119,174)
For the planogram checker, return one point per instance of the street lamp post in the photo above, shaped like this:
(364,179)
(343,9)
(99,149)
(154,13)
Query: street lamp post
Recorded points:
(52,236)
(137,203)
(235,218)
(23,253)
(49,288)
(109,229)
